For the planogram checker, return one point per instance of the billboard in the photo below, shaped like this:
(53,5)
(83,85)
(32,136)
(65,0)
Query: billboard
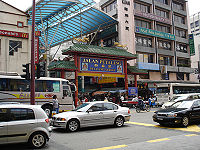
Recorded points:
(101,65)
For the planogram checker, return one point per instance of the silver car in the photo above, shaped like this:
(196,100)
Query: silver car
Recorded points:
(24,123)
(92,114)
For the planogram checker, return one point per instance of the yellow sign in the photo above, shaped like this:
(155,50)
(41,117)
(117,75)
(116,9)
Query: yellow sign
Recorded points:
(102,80)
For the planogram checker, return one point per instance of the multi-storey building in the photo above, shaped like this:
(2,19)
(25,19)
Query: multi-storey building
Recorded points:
(156,30)
(194,30)
(14,38)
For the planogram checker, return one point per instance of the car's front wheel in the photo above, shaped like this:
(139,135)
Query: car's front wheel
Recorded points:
(185,121)
(37,140)
(73,125)
(119,121)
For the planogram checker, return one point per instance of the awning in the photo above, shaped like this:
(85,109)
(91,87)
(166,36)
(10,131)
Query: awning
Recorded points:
(60,20)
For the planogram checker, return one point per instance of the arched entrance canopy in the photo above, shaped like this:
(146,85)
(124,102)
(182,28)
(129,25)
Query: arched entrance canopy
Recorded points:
(61,20)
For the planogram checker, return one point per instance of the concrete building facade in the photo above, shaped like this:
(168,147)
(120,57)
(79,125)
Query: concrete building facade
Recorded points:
(194,30)
(14,38)
(156,30)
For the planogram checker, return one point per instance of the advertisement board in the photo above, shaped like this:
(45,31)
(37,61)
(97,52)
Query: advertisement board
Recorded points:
(101,65)
(133,91)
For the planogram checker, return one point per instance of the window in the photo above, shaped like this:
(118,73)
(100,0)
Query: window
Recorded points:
(13,46)
(180,76)
(97,107)
(180,33)
(179,19)
(192,25)
(108,106)
(21,114)
(146,58)
(143,41)
(163,1)
(178,6)
(165,60)
(181,47)
(47,86)
(110,7)
(142,8)
(162,28)
(196,23)
(164,45)
(3,114)
(183,62)
(141,23)
(162,13)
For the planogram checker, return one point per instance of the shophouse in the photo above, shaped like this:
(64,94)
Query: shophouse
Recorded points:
(14,38)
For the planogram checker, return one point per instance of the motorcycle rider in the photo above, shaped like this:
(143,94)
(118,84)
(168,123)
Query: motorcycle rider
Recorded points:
(141,103)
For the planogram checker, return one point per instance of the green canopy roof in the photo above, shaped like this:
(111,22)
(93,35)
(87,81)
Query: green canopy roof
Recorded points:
(97,50)
(135,70)
(61,64)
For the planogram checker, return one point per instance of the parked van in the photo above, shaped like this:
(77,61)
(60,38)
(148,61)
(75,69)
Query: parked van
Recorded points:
(179,97)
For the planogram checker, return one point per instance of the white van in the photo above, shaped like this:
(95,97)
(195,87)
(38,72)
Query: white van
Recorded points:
(179,97)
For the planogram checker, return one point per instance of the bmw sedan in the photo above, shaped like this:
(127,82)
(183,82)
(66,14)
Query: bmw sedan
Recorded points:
(181,112)
(92,114)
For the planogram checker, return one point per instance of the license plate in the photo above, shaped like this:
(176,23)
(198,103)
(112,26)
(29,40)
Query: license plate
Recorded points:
(160,118)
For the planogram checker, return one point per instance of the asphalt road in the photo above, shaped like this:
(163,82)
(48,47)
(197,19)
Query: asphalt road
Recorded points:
(141,133)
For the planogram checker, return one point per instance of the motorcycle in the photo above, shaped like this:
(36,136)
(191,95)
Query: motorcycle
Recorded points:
(145,108)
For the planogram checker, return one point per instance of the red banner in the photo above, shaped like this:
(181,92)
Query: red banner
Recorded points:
(36,50)
(14,34)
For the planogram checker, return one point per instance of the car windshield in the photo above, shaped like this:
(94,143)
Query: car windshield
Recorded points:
(173,98)
(183,104)
(79,108)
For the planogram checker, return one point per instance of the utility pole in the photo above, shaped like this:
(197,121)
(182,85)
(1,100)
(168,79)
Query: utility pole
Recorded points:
(32,100)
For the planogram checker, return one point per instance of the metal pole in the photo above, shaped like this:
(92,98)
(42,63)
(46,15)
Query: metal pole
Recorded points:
(33,56)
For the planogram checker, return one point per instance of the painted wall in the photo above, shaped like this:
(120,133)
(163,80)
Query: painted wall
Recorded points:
(9,18)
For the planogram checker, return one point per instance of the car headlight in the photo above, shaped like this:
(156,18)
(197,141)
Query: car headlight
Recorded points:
(171,115)
(61,119)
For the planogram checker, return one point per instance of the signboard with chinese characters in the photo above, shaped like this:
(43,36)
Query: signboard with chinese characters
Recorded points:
(155,33)
(152,16)
(102,80)
(101,65)
(148,66)
(191,44)
(36,50)
(14,34)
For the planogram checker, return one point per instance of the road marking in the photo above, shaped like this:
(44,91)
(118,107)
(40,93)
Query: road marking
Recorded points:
(158,140)
(141,124)
(191,135)
(192,128)
(111,147)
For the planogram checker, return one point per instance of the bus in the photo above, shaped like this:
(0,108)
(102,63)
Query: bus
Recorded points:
(165,91)
(13,88)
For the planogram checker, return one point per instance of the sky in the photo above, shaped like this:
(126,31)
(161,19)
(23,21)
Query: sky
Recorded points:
(194,5)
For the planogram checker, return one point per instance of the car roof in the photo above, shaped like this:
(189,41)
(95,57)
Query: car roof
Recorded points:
(19,106)
(96,102)
(187,94)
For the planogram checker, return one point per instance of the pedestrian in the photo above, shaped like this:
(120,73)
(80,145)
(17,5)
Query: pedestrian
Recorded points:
(55,104)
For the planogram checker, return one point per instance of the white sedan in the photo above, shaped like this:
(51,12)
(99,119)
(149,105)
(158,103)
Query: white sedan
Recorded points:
(92,114)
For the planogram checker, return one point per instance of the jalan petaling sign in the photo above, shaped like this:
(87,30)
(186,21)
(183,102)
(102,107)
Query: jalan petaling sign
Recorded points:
(101,65)
(155,33)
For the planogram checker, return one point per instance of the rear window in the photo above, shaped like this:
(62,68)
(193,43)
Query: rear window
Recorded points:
(21,114)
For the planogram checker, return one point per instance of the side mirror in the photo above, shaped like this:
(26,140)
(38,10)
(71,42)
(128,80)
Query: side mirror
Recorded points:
(89,110)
